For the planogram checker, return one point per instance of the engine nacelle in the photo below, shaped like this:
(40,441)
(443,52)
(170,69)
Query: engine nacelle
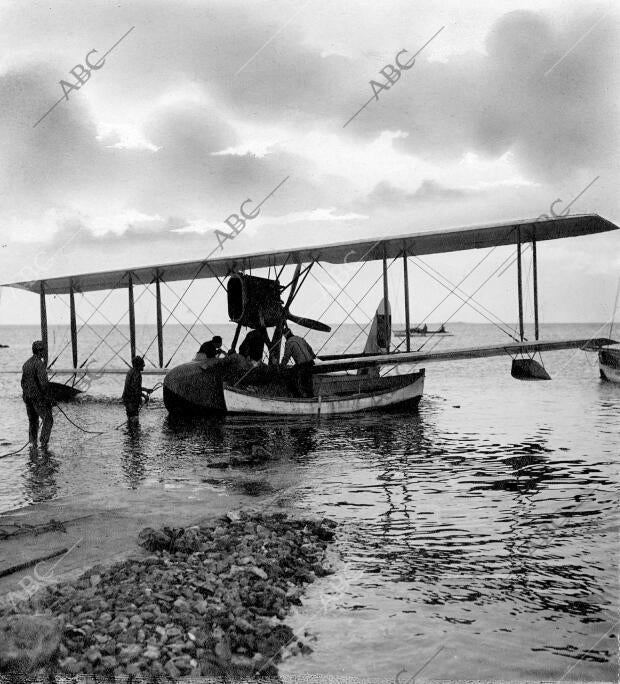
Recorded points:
(251,299)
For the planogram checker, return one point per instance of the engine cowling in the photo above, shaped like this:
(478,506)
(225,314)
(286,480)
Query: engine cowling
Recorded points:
(254,301)
(251,299)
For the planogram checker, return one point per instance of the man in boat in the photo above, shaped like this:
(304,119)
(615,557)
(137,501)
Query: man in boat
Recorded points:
(216,341)
(303,356)
(37,395)
(133,393)
(253,345)
(207,351)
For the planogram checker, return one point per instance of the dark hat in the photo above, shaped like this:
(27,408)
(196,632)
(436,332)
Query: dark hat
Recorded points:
(137,362)
(38,347)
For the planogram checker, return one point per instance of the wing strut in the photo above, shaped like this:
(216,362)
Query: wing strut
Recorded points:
(43,319)
(387,317)
(160,325)
(535,281)
(520,284)
(74,343)
(407,321)
(132,317)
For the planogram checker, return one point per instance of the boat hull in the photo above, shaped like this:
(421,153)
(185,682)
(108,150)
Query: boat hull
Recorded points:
(406,396)
(609,364)
(197,389)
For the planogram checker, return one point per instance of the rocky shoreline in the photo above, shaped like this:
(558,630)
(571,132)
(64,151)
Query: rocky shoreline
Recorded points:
(209,600)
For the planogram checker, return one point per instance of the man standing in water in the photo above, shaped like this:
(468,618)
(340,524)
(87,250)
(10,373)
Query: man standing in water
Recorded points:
(303,356)
(37,396)
(133,391)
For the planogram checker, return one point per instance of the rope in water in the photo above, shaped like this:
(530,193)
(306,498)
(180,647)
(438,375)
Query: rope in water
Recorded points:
(79,427)
(12,453)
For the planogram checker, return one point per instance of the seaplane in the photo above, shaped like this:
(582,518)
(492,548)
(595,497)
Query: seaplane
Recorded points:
(347,382)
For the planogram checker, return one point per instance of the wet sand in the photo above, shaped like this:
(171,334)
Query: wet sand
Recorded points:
(105,530)
(150,553)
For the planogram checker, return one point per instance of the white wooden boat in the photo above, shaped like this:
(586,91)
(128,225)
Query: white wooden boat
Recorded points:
(401,396)
(609,364)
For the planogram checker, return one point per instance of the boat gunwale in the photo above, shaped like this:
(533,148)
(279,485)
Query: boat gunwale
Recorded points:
(415,376)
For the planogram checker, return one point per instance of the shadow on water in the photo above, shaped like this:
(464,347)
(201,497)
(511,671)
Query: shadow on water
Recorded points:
(134,455)
(40,479)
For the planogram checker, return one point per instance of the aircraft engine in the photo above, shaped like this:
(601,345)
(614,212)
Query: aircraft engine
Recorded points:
(254,301)
(251,298)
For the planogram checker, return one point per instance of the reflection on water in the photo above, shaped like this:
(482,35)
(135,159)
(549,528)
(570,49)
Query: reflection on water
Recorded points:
(40,482)
(134,457)
(486,524)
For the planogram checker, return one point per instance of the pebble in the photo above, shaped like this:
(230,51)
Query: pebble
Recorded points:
(206,599)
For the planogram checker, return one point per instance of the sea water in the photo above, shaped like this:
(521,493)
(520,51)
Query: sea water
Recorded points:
(478,536)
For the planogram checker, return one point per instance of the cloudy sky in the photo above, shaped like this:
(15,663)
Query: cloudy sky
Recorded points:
(203,104)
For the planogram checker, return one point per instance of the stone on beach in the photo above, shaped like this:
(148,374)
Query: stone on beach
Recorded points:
(208,600)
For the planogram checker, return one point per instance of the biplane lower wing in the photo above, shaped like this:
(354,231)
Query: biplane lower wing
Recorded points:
(512,349)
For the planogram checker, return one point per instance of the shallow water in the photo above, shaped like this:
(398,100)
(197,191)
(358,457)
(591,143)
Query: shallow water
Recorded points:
(480,534)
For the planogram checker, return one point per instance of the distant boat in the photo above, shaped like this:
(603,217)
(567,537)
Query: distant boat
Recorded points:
(4,346)
(423,331)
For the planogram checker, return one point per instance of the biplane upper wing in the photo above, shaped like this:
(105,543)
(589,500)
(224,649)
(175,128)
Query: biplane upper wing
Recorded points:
(415,244)
(513,349)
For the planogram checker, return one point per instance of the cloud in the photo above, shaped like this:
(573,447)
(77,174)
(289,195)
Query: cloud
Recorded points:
(502,113)
(387,195)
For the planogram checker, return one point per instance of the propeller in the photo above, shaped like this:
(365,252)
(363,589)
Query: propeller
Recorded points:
(301,320)
(307,322)
(256,302)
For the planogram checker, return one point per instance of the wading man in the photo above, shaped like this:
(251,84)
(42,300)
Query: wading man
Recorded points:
(303,356)
(37,395)
(134,392)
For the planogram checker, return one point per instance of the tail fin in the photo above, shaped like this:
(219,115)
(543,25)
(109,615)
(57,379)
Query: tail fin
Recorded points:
(380,335)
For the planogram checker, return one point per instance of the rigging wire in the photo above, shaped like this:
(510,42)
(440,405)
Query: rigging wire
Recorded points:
(467,302)
(334,300)
(103,339)
(456,289)
(615,309)
(473,306)
(362,330)
(85,323)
